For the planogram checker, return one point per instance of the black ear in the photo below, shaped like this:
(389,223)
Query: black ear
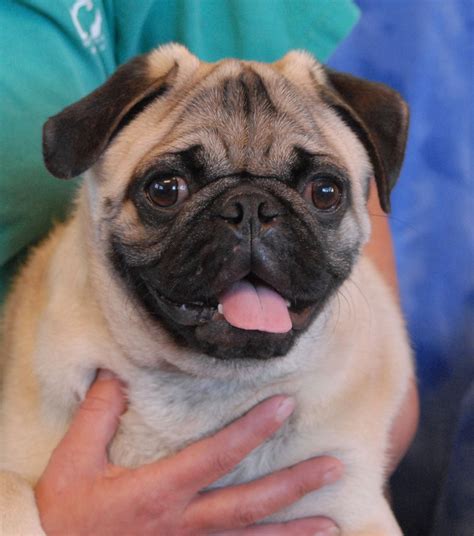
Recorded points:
(379,116)
(74,139)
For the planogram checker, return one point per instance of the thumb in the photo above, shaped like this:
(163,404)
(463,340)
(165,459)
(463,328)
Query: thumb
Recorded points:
(96,421)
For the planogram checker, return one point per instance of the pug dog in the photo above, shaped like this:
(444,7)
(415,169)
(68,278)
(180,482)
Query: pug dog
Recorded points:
(213,259)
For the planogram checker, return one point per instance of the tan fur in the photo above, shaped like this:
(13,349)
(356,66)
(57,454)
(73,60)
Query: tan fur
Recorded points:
(68,315)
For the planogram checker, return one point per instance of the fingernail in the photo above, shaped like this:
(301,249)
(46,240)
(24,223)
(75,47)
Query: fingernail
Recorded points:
(332,474)
(330,531)
(285,409)
(105,374)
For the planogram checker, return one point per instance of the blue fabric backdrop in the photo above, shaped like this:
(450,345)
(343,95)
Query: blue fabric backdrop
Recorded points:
(424,48)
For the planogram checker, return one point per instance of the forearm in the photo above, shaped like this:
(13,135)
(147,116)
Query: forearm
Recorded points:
(380,247)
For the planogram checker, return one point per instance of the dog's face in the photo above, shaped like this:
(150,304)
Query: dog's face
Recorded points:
(231,198)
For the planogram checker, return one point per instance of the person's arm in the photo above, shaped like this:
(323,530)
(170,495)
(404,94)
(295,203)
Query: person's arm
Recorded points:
(80,492)
(380,250)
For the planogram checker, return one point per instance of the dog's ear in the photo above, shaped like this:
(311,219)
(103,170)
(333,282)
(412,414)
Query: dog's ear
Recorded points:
(379,117)
(74,139)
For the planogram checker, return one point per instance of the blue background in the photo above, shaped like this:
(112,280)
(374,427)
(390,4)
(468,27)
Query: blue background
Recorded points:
(424,48)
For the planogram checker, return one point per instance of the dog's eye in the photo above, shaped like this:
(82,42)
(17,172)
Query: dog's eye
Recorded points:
(325,193)
(167,192)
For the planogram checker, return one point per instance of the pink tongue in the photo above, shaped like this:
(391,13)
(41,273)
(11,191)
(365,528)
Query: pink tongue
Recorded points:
(246,306)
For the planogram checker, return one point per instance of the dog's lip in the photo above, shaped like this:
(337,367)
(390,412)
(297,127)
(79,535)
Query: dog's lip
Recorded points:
(300,319)
(198,313)
(187,314)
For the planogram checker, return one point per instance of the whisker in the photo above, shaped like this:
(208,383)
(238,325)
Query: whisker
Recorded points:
(393,219)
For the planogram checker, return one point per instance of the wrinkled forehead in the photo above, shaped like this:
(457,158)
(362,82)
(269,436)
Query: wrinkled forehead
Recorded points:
(249,118)
(243,117)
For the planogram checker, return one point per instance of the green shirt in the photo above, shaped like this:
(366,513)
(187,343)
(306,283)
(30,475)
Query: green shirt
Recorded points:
(55,51)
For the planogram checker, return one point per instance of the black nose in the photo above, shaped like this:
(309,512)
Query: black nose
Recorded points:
(247,207)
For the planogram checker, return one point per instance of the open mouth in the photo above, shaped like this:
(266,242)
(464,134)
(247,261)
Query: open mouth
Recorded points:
(248,304)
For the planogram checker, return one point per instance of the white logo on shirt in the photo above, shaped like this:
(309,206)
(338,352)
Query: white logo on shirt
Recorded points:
(90,33)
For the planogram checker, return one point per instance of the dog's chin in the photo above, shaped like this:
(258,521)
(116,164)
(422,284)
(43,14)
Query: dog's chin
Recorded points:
(219,339)
(204,329)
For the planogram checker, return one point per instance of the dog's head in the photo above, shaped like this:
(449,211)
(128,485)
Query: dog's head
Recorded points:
(231,197)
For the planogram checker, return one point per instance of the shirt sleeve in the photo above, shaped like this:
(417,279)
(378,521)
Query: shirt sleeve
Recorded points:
(52,53)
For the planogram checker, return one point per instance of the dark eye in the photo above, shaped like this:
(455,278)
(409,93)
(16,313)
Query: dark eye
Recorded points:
(326,193)
(167,192)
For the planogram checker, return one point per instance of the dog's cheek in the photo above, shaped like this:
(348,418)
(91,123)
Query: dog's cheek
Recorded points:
(346,244)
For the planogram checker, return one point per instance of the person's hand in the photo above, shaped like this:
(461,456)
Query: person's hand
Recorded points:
(80,492)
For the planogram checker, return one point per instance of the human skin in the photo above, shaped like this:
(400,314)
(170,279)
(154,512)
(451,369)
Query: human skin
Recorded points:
(80,492)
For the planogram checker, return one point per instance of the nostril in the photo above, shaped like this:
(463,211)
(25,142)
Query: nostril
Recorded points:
(233,212)
(267,212)
(250,207)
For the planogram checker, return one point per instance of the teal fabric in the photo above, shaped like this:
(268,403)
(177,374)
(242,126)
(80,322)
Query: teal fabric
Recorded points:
(261,30)
(52,52)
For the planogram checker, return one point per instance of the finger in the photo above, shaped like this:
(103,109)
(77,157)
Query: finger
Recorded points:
(318,526)
(95,422)
(245,504)
(205,461)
